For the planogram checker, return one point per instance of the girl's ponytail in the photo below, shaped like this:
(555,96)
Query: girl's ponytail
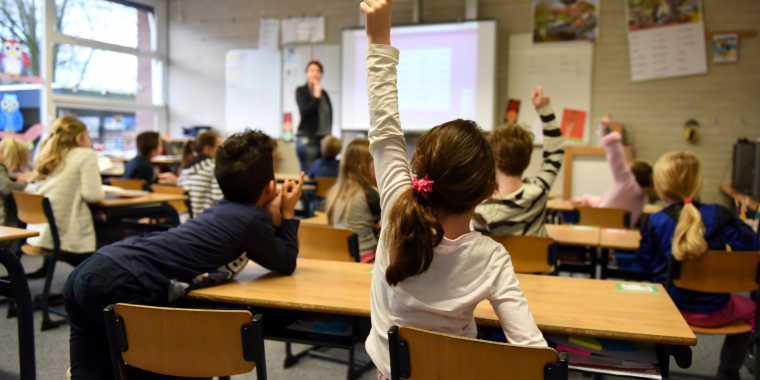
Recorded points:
(187,153)
(65,131)
(416,231)
(689,237)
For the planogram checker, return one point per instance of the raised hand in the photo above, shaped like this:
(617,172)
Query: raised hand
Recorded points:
(378,20)
(291,193)
(539,97)
(605,121)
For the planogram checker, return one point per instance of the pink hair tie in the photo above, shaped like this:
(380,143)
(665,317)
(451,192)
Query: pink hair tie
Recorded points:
(422,186)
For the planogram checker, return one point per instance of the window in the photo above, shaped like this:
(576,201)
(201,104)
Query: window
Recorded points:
(113,131)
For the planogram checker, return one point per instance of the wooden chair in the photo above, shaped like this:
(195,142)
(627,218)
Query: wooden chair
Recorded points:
(185,342)
(36,209)
(720,272)
(602,217)
(180,206)
(530,254)
(128,184)
(420,354)
(328,243)
(324,184)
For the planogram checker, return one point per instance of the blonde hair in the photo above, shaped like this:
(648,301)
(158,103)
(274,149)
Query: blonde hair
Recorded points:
(64,132)
(15,153)
(354,175)
(677,177)
(330,146)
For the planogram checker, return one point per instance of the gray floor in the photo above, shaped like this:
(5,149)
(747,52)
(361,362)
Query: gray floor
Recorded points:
(52,350)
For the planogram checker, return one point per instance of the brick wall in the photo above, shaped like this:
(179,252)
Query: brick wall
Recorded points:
(725,102)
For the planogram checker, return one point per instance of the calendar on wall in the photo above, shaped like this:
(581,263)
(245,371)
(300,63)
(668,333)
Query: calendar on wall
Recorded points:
(666,38)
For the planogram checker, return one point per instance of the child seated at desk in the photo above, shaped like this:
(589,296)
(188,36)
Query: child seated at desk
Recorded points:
(326,166)
(354,202)
(14,157)
(67,173)
(519,206)
(141,167)
(431,271)
(197,176)
(686,229)
(632,183)
(255,220)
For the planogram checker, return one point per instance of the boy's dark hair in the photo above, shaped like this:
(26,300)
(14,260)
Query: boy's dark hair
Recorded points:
(244,165)
(146,142)
(512,146)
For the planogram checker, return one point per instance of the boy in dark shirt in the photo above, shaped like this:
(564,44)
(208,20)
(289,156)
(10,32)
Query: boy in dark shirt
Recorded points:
(140,167)
(254,221)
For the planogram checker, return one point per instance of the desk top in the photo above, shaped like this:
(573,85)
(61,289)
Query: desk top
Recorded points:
(560,205)
(567,234)
(316,220)
(115,172)
(146,199)
(281,177)
(10,233)
(624,240)
(739,197)
(559,304)
(156,160)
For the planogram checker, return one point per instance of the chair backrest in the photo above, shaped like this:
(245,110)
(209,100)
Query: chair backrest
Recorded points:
(716,272)
(420,354)
(29,207)
(530,254)
(180,206)
(185,342)
(603,217)
(324,184)
(327,243)
(128,184)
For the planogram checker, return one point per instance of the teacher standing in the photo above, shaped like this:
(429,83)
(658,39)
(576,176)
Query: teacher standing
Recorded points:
(316,116)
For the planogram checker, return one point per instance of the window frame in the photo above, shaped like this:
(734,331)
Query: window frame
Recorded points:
(51,102)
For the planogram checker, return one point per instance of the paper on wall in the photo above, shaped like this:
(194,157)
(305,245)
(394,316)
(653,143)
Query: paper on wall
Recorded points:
(288,31)
(269,33)
(318,29)
(303,29)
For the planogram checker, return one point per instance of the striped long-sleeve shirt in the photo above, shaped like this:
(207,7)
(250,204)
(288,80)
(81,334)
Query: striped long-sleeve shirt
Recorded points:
(200,183)
(523,212)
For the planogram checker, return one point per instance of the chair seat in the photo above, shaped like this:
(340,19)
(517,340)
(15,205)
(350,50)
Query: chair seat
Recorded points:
(738,327)
(34,251)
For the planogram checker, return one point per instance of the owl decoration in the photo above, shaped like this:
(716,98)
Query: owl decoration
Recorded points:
(11,119)
(13,60)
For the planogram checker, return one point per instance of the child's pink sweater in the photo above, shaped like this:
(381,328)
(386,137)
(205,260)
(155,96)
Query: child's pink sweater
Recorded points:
(624,192)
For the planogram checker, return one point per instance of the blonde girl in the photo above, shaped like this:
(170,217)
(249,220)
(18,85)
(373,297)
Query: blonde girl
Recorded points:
(67,173)
(431,271)
(14,157)
(687,229)
(354,202)
(197,176)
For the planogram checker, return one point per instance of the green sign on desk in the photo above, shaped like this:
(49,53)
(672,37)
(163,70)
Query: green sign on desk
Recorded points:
(371,270)
(638,288)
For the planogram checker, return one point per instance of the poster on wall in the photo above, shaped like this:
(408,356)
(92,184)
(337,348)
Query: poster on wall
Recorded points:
(666,38)
(565,21)
(573,124)
(725,48)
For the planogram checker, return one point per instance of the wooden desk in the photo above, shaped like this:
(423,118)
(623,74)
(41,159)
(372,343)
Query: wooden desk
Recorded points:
(559,304)
(567,234)
(281,177)
(146,199)
(740,198)
(560,205)
(316,220)
(10,233)
(116,172)
(167,160)
(623,240)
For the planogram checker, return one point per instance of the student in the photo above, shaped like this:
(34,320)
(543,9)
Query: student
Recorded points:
(327,165)
(632,183)
(354,202)
(519,206)
(686,229)
(197,176)
(67,173)
(254,221)
(14,157)
(141,167)
(431,271)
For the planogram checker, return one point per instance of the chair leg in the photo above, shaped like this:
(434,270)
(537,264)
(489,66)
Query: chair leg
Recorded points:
(757,362)
(47,323)
(290,359)
(12,310)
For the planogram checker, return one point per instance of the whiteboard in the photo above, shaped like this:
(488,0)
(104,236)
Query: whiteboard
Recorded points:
(564,72)
(253,92)
(591,175)
(295,59)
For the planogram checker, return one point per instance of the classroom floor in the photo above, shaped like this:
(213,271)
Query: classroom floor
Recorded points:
(52,349)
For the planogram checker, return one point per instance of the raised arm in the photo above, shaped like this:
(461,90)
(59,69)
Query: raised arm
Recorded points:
(613,145)
(554,144)
(387,143)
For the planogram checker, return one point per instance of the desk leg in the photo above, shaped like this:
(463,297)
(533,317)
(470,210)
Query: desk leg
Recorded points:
(605,262)
(18,288)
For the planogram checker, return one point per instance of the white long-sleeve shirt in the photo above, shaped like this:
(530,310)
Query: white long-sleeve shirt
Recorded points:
(464,271)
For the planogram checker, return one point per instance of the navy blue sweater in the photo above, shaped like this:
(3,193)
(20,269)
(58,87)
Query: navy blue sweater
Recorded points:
(721,226)
(213,247)
(140,168)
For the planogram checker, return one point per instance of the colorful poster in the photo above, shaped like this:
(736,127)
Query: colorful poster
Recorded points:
(725,48)
(565,21)
(573,124)
(648,14)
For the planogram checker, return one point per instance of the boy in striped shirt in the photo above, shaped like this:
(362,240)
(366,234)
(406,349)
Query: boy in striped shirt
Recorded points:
(519,205)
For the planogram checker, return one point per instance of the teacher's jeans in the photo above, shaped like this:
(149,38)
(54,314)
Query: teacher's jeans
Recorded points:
(308,150)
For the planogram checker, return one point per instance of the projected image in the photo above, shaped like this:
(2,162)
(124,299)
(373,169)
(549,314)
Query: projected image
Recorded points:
(565,21)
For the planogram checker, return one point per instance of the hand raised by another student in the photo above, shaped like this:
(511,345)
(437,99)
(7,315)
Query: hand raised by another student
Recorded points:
(539,98)
(605,121)
(291,193)
(378,20)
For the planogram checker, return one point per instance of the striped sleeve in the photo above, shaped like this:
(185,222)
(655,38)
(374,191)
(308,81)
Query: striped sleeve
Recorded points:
(201,185)
(554,149)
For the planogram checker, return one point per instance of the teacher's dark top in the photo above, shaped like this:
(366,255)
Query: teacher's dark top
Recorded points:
(316,113)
